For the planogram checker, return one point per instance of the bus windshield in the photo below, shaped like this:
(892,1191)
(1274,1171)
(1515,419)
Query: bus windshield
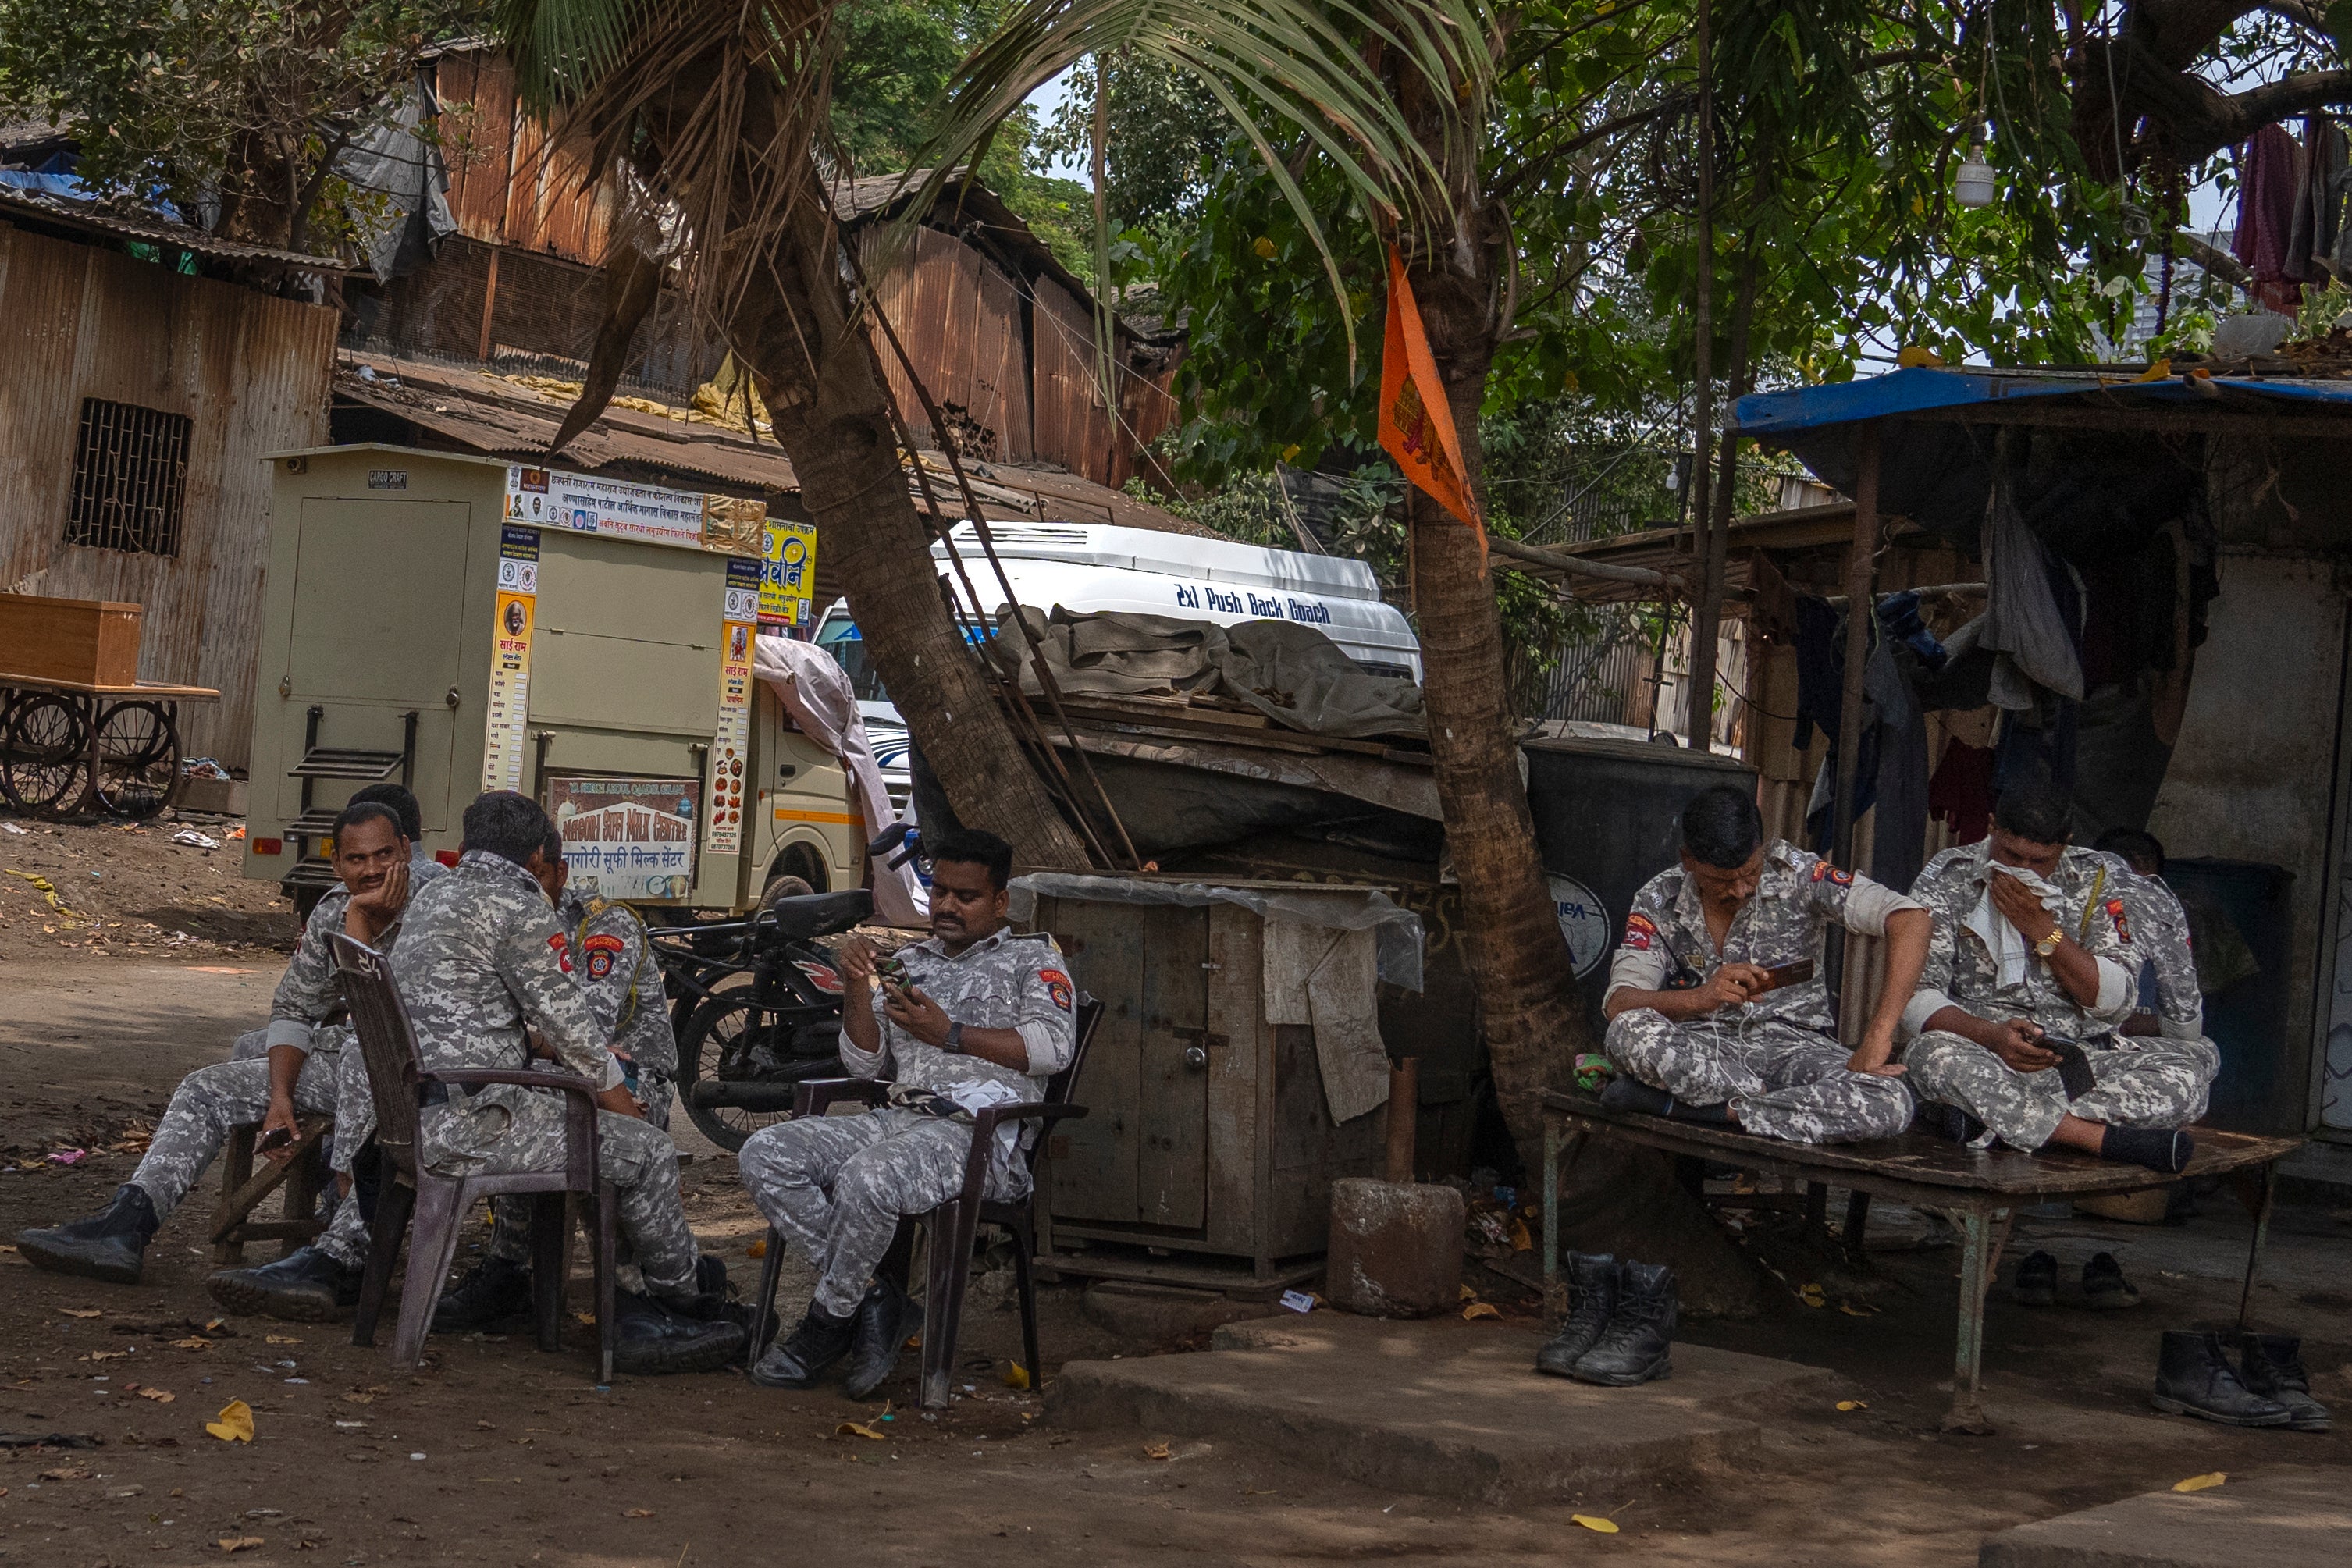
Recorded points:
(839,637)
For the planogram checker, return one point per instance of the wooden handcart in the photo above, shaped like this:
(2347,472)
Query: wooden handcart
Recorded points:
(72,745)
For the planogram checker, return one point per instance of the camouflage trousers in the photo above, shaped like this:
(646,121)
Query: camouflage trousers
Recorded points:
(835,1188)
(1780,1081)
(208,1103)
(510,1223)
(2149,1083)
(506,1130)
(346,1236)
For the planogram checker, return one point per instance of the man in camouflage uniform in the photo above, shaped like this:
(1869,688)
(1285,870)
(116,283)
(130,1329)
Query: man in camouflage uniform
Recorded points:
(1722,1045)
(2034,957)
(483,966)
(294,1076)
(2170,1000)
(974,1015)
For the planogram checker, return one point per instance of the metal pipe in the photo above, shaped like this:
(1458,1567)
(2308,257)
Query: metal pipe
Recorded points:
(1404,1108)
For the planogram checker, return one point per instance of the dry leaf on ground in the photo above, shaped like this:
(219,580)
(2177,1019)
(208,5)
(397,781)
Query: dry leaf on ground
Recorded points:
(1158,1451)
(1016,1375)
(1853,1404)
(853,1430)
(281,1338)
(756,1249)
(1594,1522)
(638,1513)
(68,1474)
(2200,1483)
(235,1423)
(1482,1309)
(240,1542)
(192,1345)
(82,1312)
(159,1395)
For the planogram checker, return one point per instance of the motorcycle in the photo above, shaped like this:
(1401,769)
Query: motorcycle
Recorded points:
(756,1008)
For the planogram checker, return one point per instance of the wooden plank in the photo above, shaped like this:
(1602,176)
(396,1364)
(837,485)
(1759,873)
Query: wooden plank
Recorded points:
(1172,1110)
(1094,1157)
(1236,1011)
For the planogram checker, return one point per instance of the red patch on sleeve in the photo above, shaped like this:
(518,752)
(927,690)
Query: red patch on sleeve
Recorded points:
(1057,985)
(1640,932)
(562,948)
(603,950)
(1824,871)
(2115,913)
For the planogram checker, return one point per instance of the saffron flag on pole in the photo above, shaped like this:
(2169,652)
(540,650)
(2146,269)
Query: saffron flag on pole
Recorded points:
(1416,425)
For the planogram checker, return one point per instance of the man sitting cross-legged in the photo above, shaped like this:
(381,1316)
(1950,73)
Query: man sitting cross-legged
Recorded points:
(2033,958)
(975,1015)
(1727,1045)
(296,1076)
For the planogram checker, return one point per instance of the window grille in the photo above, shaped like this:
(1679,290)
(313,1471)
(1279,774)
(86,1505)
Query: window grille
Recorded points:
(129,478)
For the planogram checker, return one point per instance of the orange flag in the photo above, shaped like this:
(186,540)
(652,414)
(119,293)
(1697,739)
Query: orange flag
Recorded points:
(1416,425)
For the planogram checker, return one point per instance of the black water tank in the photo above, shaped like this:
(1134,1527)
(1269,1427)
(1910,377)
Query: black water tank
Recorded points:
(1607,819)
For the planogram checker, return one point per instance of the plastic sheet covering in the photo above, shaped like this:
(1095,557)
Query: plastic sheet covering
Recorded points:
(1396,931)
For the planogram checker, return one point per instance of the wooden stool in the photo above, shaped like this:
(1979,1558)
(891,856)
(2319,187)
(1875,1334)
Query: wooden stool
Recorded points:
(304,1177)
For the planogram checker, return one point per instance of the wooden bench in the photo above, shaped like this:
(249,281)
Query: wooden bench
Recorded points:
(304,1177)
(1980,1190)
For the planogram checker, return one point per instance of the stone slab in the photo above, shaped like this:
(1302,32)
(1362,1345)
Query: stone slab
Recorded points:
(1443,1406)
(2283,1518)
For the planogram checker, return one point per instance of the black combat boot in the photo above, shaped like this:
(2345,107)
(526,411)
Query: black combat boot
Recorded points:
(650,1339)
(2272,1366)
(1592,1302)
(881,1330)
(492,1291)
(2193,1378)
(1634,1348)
(109,1244)
(1948,1121)
(306,1286)
(799,1360)
(2037,1280)
(1625,1094)
(2105,1289)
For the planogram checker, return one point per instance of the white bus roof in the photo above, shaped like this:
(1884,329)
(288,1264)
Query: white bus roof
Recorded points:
(1169,554)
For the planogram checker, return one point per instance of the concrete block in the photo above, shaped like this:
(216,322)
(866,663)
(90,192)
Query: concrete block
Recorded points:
(1395,1250)
(2283,1518)
(1443,1406)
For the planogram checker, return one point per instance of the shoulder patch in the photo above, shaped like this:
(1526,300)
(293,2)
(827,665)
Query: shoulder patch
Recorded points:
(602,951)
(1057,985)
(1641,931)
(1824,871)
(2122,922)
(561,946)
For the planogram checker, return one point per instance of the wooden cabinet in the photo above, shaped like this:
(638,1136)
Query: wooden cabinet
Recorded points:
(1207,1129)
(80,641)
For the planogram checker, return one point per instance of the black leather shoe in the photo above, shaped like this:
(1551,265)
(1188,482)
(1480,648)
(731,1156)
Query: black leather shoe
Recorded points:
(2273,1367)
(2193,1378)
(1634,1348)
(492,1291)
(306,1286)
(2105,1289)
(1948,1121)
(799,1360)
(109,1244)
(1593,1300)
(651,1340)
(2037,1280)
(881,1330)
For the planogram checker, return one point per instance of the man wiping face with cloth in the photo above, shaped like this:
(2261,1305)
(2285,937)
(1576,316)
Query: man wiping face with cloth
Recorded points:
(2032,955)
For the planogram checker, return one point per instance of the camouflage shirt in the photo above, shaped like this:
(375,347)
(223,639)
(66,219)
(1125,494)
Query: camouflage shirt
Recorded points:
(2159,927)
(309,992)
(1962,972)
(1004,980)
(481,961)
(1797,898)
(614,965)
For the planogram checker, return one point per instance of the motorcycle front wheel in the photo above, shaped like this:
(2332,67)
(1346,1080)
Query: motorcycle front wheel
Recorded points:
(718,1043)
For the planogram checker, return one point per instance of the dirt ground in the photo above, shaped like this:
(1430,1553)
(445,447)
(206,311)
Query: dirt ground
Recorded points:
(126,888)
(496,1454)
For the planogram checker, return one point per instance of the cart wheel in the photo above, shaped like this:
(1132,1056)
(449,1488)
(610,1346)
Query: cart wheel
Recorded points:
(42,755)
(138,759)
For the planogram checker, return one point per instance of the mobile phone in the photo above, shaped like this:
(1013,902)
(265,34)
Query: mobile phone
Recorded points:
(1795,974)
(2075,1074)
(892,969)
(275,1138)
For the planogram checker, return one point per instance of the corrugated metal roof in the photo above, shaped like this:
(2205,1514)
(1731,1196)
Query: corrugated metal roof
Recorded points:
(85,219)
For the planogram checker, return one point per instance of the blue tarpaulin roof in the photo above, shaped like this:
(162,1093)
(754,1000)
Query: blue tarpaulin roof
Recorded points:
(1766,414)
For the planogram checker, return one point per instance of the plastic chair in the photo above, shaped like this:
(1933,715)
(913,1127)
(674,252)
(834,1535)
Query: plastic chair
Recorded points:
(952,1226)
(402,1086)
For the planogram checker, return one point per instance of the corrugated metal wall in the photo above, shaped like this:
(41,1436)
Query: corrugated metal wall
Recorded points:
(506,185)
(249,371)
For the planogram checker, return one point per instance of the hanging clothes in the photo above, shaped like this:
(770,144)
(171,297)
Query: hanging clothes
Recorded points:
(2318,203)
(1960,794)
(1820,668)
(2023,624)
(2270,176)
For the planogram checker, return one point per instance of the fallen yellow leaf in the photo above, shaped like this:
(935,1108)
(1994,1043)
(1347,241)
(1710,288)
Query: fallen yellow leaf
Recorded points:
(2155,372)
(1853,1404)
(281,1338)
(638,1513)
(66,1474)
(106,1355)
(1481,1310)
(1158,1451)
(1594,1522)
(1812,1296)
(756,1249)
(853,1430)
(159,1395)
(235,1423)
(358,1399)
(192,1343)
(1465,1294)
(1016,1375)
(82,1312)
(239,1543)
(2200,1483)
(1850,1310)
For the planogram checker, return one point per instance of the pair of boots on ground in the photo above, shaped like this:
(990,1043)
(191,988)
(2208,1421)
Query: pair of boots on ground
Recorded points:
(1621,1322)
(2269,1387)
(2165,1149)
(869,1339)
(689,1335)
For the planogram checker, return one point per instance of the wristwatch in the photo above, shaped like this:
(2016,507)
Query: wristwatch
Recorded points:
(955,1039)
(2048,945)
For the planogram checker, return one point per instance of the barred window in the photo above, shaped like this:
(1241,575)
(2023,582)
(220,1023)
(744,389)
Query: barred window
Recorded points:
(129,478)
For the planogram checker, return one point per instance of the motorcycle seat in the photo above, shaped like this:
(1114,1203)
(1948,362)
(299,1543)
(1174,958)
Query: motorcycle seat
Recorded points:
(818,914)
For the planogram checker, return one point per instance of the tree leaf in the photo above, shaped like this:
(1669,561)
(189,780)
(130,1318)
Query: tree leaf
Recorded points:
(2202,1483)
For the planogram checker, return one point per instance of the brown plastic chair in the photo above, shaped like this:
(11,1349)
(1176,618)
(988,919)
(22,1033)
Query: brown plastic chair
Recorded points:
(952,1226)
(401,1086)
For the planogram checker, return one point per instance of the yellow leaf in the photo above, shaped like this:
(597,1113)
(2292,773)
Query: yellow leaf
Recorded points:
(852,1430)
(1290,453)
(1853,1404)
(2200,1483)
(280,1339)
(1594,1522)
(239,1543)
(756,1249)
(1812,1296)
(638,1513)
(1520,1240)
(193,1343)
(1017,1376)
(82,1312)
(1850,1310)
(2155,372)
(1263,247)
(159,1396)
(235,1423)
(1481,1310)
(1918,356)
(1465,1294)
(1158,1451)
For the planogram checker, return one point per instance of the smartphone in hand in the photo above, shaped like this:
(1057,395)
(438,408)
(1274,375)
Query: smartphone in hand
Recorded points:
(275,1138)
(1780,975)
